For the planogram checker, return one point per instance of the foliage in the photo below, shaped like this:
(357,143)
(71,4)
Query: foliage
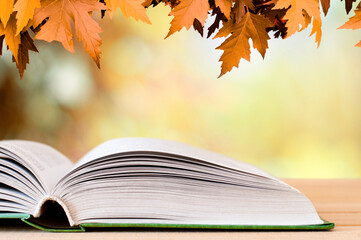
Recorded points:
(23,21)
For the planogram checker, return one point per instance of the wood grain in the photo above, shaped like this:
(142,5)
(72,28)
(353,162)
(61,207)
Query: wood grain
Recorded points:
(336,200)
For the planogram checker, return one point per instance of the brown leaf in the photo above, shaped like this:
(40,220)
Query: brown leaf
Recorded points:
(225,30)
(265,8)
(1,44)
(239,9)
(148,3)
(348,5)
(27,43)
(215,25)
(198,26)
(237,45)
(325,6)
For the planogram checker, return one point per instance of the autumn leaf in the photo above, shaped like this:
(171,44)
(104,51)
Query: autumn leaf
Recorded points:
(325,6)
(237,45)
(147,3)
(6,8)
(1,44)
(58,26)
(26,45)
(225,6)
(198,26)
(225,30)
(296,19)
(215,25)
(348,5)
(236,20)
(239,9)
(12,40)
(25,12)
(130,8)
(354,22)
(185,13)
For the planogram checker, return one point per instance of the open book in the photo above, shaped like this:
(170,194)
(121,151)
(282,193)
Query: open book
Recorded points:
(140,182)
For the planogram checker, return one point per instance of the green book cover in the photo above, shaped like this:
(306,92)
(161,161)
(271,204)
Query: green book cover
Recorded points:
(123,226)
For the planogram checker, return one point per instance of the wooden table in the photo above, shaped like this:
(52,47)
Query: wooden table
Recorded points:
(337,201)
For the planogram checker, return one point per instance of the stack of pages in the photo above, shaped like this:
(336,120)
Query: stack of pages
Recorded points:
(140,182)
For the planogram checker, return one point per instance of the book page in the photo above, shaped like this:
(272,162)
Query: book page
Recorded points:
(46,163)
(123,145)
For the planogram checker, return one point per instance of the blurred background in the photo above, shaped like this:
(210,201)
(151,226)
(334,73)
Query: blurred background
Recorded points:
(297,113)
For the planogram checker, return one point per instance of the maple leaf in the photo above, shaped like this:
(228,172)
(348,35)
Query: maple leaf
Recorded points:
(12,39)
(239,9)
(130,8)
(219,17)
(6,8)
(295,16)
(325,6)
(354,22)
(237,45)
(25,12)
(225,7)
(1,44)
(27,44)
(225,30)
(348,5)
(198,26)
(58,26)
(264,7)
(185,13)
(147,3)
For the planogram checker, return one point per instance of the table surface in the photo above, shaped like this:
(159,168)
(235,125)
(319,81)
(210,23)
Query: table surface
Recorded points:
(336,200)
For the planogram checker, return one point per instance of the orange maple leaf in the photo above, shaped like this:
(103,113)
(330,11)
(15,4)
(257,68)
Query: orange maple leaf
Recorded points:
(237,45)
(185,13)
(225,6)
(25,12)
(58,26)
(12,39)
(226,29)
(6,8)
(296,19)
(354,22)
(130,8)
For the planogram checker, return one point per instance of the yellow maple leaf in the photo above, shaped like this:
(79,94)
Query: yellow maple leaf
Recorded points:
(185,13)
(237,45)
(25,12)
(6,8)
(354,23)
(58,26)
(130,8)
(12,39)
(296,19)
